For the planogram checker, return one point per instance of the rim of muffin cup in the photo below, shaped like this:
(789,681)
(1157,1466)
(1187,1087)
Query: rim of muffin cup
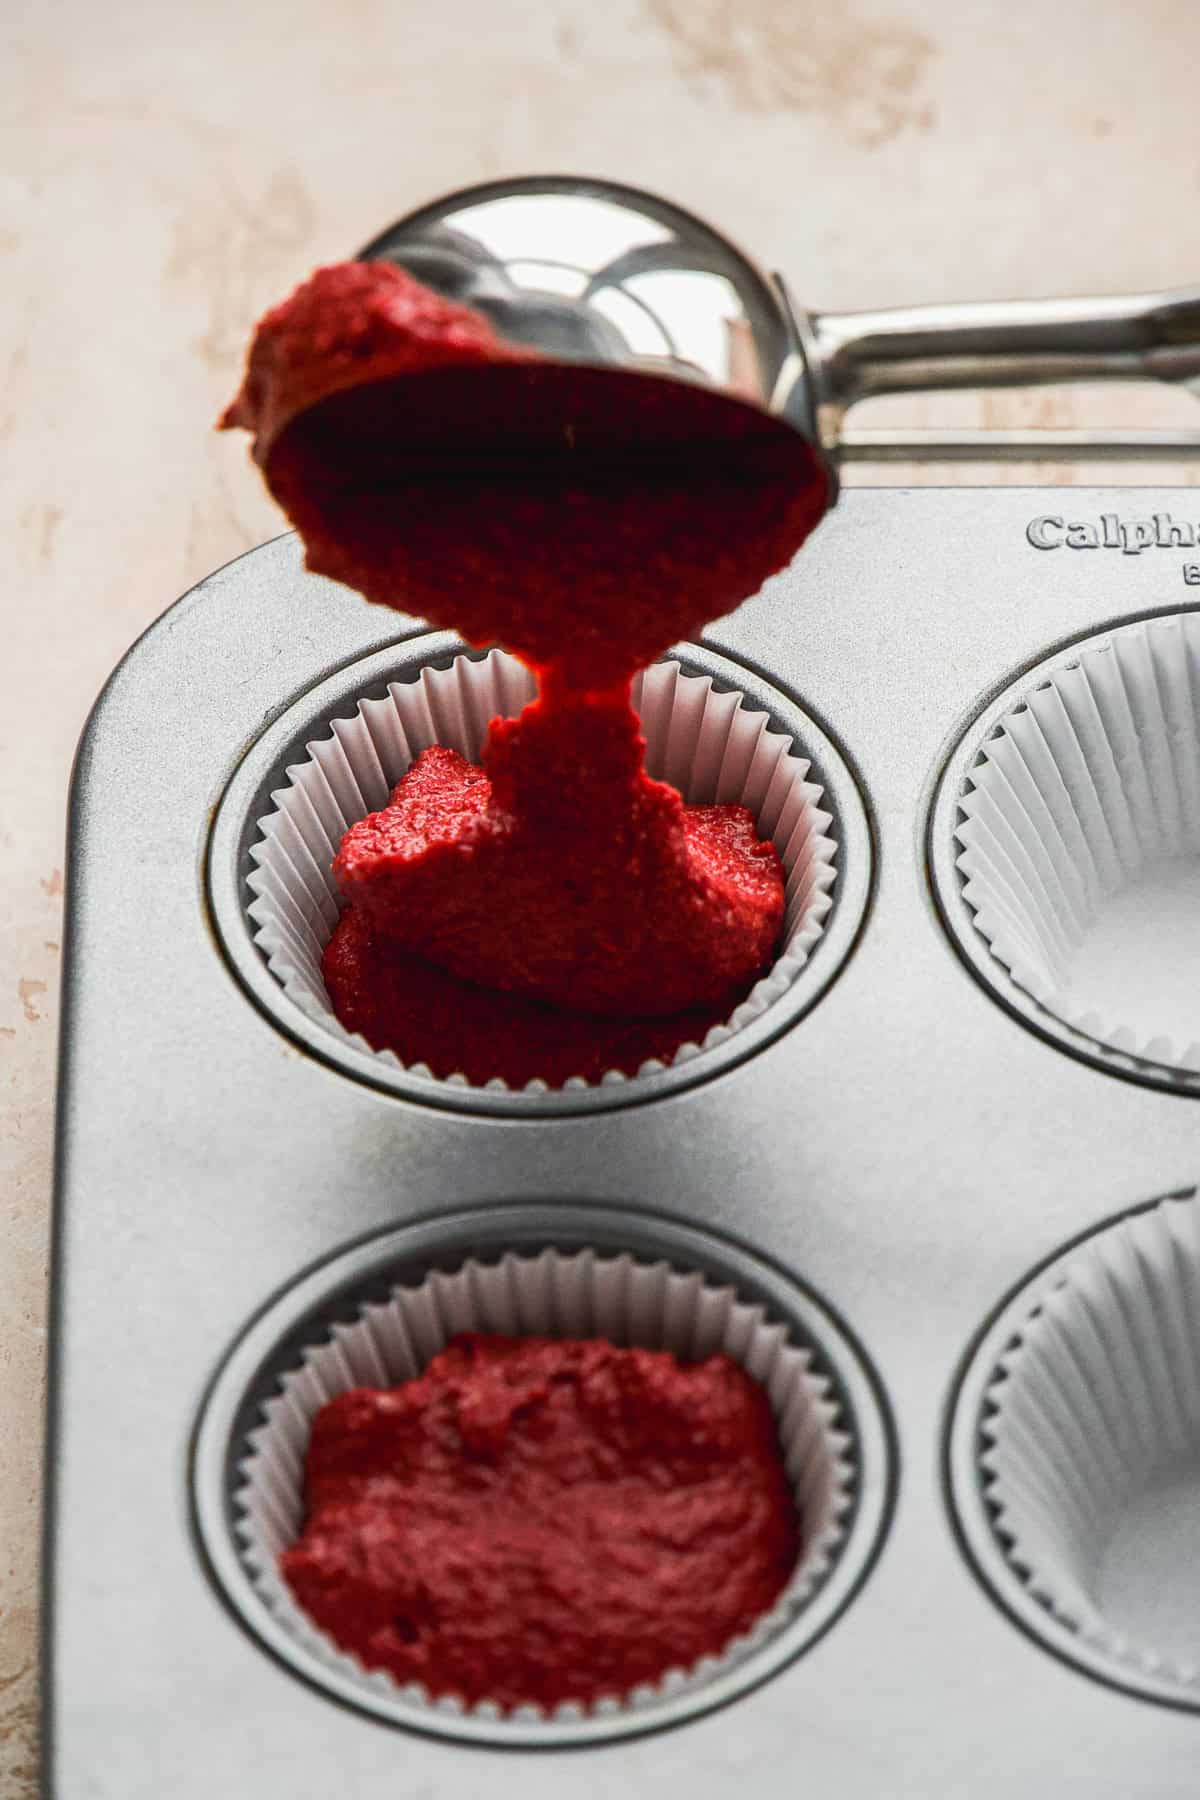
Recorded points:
(1069,801)
(710,740)
(1080,1406)
(519,1274)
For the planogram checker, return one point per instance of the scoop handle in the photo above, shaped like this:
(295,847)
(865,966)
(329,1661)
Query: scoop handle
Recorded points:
(850,357)
(989,446)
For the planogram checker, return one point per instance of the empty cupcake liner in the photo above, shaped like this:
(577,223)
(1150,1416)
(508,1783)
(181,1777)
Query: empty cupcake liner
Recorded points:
(1080,842)
(581,1294)
(1091,1457)
(710,745)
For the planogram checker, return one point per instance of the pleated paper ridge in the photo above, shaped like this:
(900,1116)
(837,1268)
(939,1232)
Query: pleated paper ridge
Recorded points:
(1090,779)
(1099,1395)
(580,1295)
(713,747)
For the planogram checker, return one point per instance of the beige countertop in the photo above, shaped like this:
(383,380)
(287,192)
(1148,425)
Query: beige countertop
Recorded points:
(166,171)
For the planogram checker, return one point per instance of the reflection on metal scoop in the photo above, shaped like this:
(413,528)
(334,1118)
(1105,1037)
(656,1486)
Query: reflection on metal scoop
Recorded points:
(599,273)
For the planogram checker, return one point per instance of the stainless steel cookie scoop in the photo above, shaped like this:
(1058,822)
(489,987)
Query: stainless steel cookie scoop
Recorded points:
(598,273)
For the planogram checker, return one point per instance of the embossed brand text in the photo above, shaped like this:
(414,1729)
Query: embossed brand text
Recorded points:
(1131,536)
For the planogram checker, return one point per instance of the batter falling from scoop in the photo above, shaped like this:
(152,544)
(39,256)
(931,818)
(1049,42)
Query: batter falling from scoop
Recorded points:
(554,912)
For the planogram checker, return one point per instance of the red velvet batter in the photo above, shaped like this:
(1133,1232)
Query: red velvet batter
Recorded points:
(543,1520)
(586,518)
(403,1003)
(619,901)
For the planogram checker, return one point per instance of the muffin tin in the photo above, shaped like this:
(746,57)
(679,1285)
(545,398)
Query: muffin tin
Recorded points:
(906,1158)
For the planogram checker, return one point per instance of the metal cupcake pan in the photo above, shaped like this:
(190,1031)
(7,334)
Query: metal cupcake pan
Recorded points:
(888,1144)
(1081,784)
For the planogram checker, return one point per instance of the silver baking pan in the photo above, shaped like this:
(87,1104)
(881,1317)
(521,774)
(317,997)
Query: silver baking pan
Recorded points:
(898,1159)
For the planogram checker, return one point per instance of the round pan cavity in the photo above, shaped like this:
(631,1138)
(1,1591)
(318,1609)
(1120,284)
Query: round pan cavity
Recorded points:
(1066,848)
(716,731)
(377,1313)
(1075,1453)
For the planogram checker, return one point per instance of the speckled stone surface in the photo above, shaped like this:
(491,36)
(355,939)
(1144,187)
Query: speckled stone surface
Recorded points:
(879,151)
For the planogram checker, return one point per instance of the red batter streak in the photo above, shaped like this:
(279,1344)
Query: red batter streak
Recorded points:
(586,519)
(540,1520)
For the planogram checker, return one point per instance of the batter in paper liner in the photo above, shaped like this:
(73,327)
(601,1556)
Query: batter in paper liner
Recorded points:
(544,1520)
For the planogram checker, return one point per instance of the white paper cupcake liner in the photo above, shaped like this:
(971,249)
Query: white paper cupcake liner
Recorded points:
(579,1295)
(711,746)
(1081,842)
(1092,1433)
